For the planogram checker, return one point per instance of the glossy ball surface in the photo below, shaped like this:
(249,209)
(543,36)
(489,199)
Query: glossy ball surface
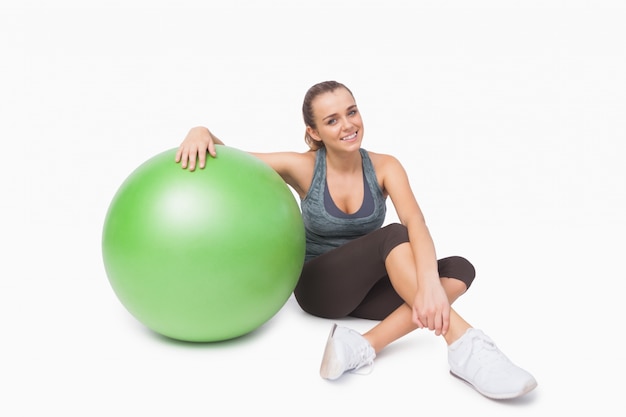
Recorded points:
(207,255)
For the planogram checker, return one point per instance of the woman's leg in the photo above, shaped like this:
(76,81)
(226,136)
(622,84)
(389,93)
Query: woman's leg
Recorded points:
(472,355)
(336,283)
(353,280)
(346,349)
(373,277)
(400,266)
(400,323)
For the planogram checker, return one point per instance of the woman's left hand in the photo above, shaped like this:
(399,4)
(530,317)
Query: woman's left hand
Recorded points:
(431,308)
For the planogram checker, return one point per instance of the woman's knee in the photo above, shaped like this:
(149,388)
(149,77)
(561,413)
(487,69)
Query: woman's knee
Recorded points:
(457,267)
(395,235)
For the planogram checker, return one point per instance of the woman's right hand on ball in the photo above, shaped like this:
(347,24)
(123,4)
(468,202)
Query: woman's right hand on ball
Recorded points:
(194,148)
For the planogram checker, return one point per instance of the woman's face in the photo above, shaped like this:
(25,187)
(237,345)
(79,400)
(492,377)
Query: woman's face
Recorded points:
(338,120)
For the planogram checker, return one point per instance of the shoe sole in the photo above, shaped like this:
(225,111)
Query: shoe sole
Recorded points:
(328,369)
(506,396)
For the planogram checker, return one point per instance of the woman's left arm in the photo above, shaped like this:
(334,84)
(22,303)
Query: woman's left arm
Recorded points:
(431,308)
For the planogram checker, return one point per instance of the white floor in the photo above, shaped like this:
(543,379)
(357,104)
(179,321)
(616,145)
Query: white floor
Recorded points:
(508,118)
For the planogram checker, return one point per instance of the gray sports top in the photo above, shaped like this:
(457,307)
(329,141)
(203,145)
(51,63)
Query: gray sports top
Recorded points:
(326,226)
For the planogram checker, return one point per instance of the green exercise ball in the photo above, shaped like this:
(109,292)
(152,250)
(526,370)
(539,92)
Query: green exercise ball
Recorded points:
(203,256)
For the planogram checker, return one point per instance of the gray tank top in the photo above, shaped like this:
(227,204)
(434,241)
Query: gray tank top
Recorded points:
(326,226)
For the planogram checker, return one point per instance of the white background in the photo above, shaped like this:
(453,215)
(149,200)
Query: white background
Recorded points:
(509,117)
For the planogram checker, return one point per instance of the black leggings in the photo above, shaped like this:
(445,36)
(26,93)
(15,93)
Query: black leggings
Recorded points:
(352,280)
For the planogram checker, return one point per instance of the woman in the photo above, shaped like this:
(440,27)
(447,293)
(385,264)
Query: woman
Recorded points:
(354,266)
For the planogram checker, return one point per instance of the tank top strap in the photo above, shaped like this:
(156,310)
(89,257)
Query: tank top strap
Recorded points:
(370,174)
(319,173)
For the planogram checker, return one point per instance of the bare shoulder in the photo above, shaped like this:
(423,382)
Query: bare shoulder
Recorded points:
(384,163)
(389,172)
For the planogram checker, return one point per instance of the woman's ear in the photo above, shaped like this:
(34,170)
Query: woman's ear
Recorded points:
(313,134)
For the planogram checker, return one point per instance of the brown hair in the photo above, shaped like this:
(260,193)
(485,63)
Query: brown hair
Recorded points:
(307,108)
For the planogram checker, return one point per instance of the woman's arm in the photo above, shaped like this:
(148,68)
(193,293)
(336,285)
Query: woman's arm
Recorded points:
(296,169)
(431,307)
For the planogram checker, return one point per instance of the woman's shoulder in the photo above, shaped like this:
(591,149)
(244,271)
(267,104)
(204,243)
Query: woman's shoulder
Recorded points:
(383,160)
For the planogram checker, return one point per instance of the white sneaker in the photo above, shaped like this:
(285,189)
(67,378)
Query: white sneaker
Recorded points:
(476,359)
(346,350)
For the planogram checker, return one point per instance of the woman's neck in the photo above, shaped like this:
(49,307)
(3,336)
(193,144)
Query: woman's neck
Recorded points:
(347,162)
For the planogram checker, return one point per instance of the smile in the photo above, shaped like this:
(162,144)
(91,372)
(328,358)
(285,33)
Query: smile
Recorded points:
(351,137)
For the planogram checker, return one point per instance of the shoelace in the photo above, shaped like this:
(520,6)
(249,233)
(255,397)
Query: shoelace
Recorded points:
(486,351)
(365,369)
(362,359)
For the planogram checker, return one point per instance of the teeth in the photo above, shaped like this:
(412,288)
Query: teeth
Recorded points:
(352,136)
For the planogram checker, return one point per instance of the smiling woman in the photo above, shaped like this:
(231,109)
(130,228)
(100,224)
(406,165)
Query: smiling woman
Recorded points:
(354,266)
(327,102)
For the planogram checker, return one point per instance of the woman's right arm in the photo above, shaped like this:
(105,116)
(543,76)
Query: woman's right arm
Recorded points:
(296,169)
(194,148)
